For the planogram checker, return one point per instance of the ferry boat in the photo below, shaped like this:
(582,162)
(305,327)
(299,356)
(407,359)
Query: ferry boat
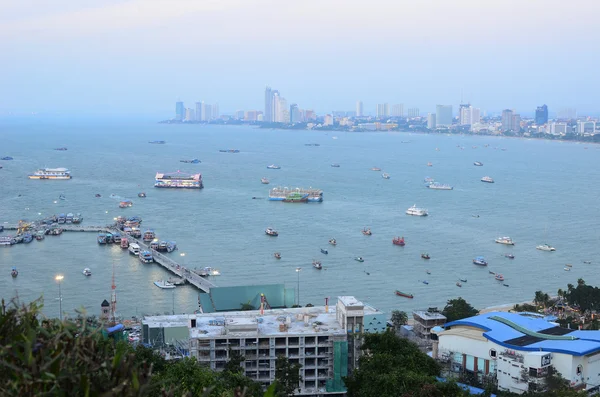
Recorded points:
(487,179)
(87,272)
(416,211)
(366,232)
(69,218)
(51,173)
(499,277)
(14,273)
(7,240)
(62,218)
(149,235)
(480,261)
(117,238)
(505,241)
(478,163)
(385,175)
(77,218)
(101,238)
(333,241)
(375,169)
(398,241)
(324,251)
(425,256)
(124,242)
(277,255)
(171,246)
(178,180)
(296,197)
(273,167)
(281,194)
(134,249)
(264,181)
(271,232)
(154,245)
(125,204)
(359,259)
(158,142)
(545,247)
(404,294)
(146,257)
(164,284)
(141,194)
(317,265)
(439,186)
(335,165)
(162,246)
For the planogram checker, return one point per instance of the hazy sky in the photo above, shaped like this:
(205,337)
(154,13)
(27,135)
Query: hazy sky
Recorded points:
(117,57)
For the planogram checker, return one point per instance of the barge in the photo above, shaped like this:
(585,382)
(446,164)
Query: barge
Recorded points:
(291,195)
(178,180)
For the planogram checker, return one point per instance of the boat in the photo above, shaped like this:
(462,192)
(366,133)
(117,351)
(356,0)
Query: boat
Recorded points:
(271,232)
(416,211)
(6,158)
(51,173)
(335,165)
(178,180)
(317,265)
(125,204)
(367,232)
(385,175)
(375,169)
(98,195)
(62,197)
(273,167)
(146,257)
(124,242)
(505,241)
(158,142)
(359,259)
(545,247)
(425,282)
(87,272)
(134,249)
(324,251)
(77,218)
(62,218)
(312,144)
(429,180)
(458,284)
(109,238)
(141,194)
(264,181)
(117,238)
(487,179)
(149,235)
(194,161)
(404,294)
(162,246)
(57,231)
(439,186)
(427,271)
(480,261)
(207,271)
(135,232)
(398,241)
(69,218)
(154,245)
(296,197)
(425,256)
(164,284)
(281,194)
(491,272)
(429,165)
(587,262)
(7,240)
(101,238)
(40,235)
(333,241)
(27,238)
(567,269)
(62,149)
(14,273)
(171,246)
(509,256)
(277,255)
(568,265)
(478,163)
(464,280)
(499,277)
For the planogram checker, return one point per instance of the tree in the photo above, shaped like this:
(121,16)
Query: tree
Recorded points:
(399,318)
(541,299)
(287,377)
(457,309)
(246,306)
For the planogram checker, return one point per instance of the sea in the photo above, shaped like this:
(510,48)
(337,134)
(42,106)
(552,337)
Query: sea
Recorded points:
(544,192)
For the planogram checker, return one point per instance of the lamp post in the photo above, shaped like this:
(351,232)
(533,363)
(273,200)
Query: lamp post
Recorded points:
(59,278)
(298,293)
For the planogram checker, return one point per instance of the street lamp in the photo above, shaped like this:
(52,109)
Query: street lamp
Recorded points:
(298,293)
(59,278)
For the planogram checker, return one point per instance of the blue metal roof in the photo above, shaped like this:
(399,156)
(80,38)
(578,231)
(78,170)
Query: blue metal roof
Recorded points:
(582,343)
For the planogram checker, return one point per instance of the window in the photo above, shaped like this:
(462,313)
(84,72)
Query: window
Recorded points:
(492,353)
(579,370)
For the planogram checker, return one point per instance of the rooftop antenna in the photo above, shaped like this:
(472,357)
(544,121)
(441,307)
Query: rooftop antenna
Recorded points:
(113,297)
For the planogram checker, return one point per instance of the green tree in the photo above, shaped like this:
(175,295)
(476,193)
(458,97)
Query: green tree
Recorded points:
(457,309)
(246,306)
(541,299)
(287,377)
(399,318)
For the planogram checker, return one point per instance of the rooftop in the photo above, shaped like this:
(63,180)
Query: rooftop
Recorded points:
(350,301)
(428,315)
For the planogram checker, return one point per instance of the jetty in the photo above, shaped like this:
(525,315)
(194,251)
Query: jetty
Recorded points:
(184,274)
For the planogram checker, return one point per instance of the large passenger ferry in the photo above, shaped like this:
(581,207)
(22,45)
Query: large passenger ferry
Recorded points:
(290,195)
(178,180)
(51,173)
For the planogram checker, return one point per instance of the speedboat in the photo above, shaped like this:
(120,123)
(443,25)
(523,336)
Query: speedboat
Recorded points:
(317,265)
(545,247)
(87,272)
(491,272)
(398,241)
(416,211)
(264,181)
(164,284)
(134,249)
(567,269)
(385,175)
(404,294)
(464,280)
(273,167)
(458,284)
(366,232)
(480,261)
(141,194)
(332,241)
(487,179)
(478,163)
(324,251)
(271,232)
(427,271)
(505,285)
(146,257)
(509,256)
(375,169)
(171,246)
(425,282)
(335,165)
(359,259)
(101,238)
(425,256)
(499,277)
(505,240)
(14,273)
(277,255)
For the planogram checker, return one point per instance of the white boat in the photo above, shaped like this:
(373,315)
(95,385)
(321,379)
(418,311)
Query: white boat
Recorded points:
(505,240)
(164,284)
(478,163)
(416,211)
(385,175)
(499,277)
(545,247)
(87,272)
(273,167)
(264,181)
(487,179)
(439,186)
(134,249)
(567,269)
(51,173)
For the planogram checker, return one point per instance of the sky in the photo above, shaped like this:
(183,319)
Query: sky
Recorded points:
(137,57)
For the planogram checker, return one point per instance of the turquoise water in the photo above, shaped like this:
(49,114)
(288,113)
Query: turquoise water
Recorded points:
(544,192)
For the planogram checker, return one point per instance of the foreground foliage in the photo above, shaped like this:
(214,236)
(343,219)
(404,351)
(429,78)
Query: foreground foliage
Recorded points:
(457,309)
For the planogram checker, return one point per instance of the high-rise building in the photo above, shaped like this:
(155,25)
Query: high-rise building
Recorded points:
(586,127)
(475,116)
(295,114)
(398,110)
(179,111)
(557,128)
(328,120)
(251,115)
(359,109)
(443,115)
(541,115)
(190,114)
(215,111)
(516,123)
(239,114)
(268,115)
(310,115)
(383,110)
(206,112)
(464,114)
(431,121)
(413,112)
(567,113)
(507,120)
(198,111)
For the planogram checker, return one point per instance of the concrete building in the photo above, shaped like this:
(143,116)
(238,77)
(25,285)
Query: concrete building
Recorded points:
(586,127)
(239,114)
(413,112)
(198,111)
(398,110)
(309,115)
(321,339)
(475,116)
(328,119)
(359,109)
(507,120)
(516,123)
(383,110)
(268,114)
(190,115)
(179,111)
(295,114)
(431,124)
(515,351)
(443,115)
(464,114)
(215,111)
(541,115)
(555,128)
(425,320)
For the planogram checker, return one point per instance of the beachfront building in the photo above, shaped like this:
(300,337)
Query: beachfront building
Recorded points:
(515,351)
(322,339)
(425,320)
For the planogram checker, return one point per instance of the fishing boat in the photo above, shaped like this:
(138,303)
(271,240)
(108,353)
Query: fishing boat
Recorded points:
(317,265)
(264,181)
(404,294)
(366,232)
(324,251)
(149,235)
(587,262)
(273,167)
(109,238)
(87,272)
(505,285)
(134,249)
(62,218)
(135,232)
(162,246)
(271,232)
(27,238)
(375,169)
(499,277)
(333,241)
(14,273)
(117,238)
(77,218)
(146,257)
(505,241)
(359,259)
(568,265)
(385,175)
(171,246)
(335,165)
(464,280)
(277,255)
(101,238)
(125,204)
(545,247)
(398,241)
(141,194)
(509,256)
(458,284)
(415,211)
(429,165)
(40,235)
(478,163)
(425,282)
(154,245)
(425,256)
(567,269)
(427,271)
(164,284)
(124,242)
(487,179)
(480,261)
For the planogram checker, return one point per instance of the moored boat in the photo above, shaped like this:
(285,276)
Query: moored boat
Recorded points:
(324,251)
(164,284)
(317,265)
(149,235)
(271,232)
(87,272)
(27,238)
(487,179)
(499,277)
(333,241)
(545,247)
(69,218)
(146,257)
(154,245)
(480,261)
(109,238)
(162,246)
(425,256)
(277,255)
(398,241)
(101,238)
(359,259)
(171,246)
(77,218)
(117,238)
(404,294)
(134,249)
(367,231)
(124,242)
(505,241)
(14,273)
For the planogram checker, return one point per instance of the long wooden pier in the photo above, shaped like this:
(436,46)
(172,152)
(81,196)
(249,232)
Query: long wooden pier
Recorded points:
(180,271)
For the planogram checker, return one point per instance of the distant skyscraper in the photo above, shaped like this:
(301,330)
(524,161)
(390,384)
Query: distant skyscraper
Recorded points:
(464,114)
(268,115)
(507,120)
(475,116)
(383,110)
(295,114)
(198,111)
(239,114)
(206,112)
(359,109)
(443,115)
(328,120)
(215,111)
(398,110)
(431,121)
(190,115)
(516,123)
(309,115)
(179,111)
(541,115)
(413,112)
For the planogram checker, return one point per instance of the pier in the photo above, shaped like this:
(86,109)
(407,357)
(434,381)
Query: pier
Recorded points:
(180,271)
